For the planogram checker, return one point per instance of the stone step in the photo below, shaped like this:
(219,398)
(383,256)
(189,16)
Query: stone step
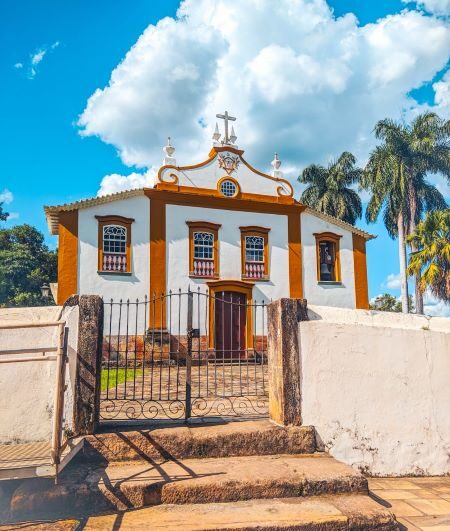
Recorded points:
(322,513)
(189,481)
(199,441)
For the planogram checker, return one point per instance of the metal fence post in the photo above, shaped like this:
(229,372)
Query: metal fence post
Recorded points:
(190,308)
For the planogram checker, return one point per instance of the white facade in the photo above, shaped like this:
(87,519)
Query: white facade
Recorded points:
(187,194)
(177,237)
(327,294)
(115,286)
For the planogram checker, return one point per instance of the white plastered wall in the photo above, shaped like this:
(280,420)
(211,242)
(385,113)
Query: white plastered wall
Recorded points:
(376,387)
(177,237)
(108,286)
(342,295)
(27,394)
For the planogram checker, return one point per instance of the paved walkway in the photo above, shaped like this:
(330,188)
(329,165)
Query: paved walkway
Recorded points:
(418,503)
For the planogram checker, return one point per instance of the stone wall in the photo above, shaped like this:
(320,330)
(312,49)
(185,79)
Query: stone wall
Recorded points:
(376,386)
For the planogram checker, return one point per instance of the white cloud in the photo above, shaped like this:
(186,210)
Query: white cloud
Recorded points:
(13,215)
(300,81)
(6,196)
(437,7)
(36,59)
(113,183)
(442,95)
(435,307)
(393,281)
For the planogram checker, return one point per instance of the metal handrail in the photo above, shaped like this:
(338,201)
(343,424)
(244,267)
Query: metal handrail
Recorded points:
(60,358)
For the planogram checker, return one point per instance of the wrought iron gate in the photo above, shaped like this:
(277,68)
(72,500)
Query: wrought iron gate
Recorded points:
(184,354)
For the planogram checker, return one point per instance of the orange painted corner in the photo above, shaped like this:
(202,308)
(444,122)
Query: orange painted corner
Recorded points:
(295,256)
(67,255)
(360,272)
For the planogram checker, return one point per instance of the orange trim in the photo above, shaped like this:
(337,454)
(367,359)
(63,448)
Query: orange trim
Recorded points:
(234,181)
(67,255)
(231,285)
(295,256)
(203,226)
(334,239)
(263,233)
(103,221)
(216,150)
(214,192)
(206,198)
(360,272)
(158,259)
(115,219)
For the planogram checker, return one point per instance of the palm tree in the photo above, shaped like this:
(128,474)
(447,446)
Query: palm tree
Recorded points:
(431,261)
(3,215)
(396,173)
(329,188)
(422,147)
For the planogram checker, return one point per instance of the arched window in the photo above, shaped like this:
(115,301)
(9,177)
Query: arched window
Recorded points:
(255,253)
(114,246)
(203,249)
(114,239)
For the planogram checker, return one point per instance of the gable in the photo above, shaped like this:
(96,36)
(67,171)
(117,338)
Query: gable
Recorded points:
(224,163)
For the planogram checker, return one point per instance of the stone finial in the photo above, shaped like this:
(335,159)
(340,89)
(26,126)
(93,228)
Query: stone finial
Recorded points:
(276,163)
(216,134)
(169,150)
(233,136)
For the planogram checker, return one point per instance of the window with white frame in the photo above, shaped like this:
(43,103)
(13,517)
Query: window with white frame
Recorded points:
(254,249)
(203,246)
(114,239)
(255,252)
(203,249)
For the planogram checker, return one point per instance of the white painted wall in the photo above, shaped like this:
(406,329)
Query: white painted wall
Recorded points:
(177,237)
(376,387)
(108,286)
(28,388)
(327,295)
(209,175)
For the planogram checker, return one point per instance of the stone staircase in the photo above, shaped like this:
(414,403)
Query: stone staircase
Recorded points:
(240,476)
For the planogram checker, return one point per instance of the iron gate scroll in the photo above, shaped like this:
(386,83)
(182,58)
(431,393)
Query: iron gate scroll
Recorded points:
(182,355)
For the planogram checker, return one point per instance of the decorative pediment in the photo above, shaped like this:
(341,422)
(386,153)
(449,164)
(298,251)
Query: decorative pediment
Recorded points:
(225,161)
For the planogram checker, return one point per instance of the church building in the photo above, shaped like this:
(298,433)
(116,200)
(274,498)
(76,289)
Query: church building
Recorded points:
(220,225)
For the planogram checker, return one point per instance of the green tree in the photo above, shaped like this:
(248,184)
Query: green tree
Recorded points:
(431,261)
(395,174)
(25,264)
(329,189)
(389,303)
(3,215)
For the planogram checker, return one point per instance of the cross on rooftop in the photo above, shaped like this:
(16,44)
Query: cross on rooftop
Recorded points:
(226,118)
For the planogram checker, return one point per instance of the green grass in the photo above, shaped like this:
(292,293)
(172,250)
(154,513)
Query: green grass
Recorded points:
(116,377)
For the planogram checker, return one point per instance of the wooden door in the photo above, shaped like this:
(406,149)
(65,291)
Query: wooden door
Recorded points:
(230,316)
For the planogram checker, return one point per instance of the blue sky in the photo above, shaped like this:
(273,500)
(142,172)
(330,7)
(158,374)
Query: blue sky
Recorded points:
(55,55)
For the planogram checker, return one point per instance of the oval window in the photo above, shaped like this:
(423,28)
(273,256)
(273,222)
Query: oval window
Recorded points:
(228,188)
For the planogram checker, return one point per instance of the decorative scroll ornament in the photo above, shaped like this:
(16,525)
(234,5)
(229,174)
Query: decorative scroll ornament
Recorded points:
(229,163)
